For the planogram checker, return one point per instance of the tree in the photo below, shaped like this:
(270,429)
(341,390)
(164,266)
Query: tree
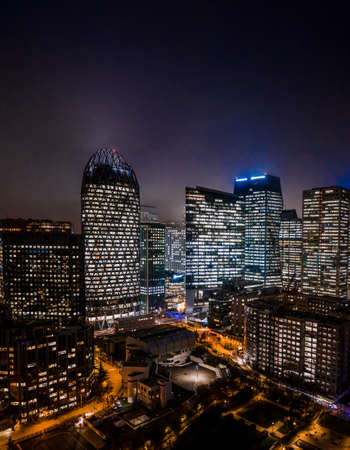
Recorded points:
(102,374)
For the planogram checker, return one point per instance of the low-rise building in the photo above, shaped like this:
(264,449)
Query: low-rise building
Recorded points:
(126,325)
(144,385)
(165,344)
(153,392)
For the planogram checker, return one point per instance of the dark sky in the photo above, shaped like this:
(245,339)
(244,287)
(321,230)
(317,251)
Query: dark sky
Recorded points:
(189,95)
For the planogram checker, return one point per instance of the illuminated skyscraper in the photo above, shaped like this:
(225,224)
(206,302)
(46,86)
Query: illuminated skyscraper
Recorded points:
(35,226)
(290,247)
(262,199)
(214,240)
(152,266)
(110,213)
(43,276)
(175,248)
(42,273)
(326,216)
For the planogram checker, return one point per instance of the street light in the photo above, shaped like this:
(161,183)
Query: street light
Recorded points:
(196,377)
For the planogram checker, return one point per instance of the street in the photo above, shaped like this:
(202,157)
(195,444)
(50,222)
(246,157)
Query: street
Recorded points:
(25,431)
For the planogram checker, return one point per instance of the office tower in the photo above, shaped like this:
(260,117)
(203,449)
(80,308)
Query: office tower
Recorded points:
(33,225)
(152,266)
(262,199)
(306,349)
(326,241)
(174,248)
(110,214)
(42,272)
(44,370)
(29,225)
(175,291)
(214,240)
(290,241)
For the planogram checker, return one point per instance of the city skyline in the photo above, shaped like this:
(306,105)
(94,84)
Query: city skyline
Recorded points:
(175,226)
(188,98)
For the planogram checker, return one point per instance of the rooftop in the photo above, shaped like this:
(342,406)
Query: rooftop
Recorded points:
(159,331)
(283,310)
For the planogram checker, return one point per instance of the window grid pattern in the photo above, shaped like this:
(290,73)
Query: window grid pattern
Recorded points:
(263,206)
(111,230)
(214,238)
(326,215)
(43,276)
(290,241)
(152,242)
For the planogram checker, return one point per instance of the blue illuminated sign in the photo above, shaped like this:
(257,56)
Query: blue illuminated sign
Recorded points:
(178,277)
(260,177)
(241,179)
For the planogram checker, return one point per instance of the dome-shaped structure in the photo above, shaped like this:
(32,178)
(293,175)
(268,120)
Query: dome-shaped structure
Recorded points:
(108,166)
(110,215)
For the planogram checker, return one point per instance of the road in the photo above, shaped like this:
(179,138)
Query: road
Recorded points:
(113,376)
(25,431)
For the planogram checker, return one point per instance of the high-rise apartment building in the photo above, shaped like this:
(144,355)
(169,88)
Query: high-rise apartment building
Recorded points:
(42,272)
(308,349)
(110,213)
(44,370)
(261,196)
(175,248)
(290,242)
(326,216)
(152,250)
(214,239)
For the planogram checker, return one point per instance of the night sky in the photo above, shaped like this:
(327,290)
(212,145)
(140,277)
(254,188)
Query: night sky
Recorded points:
(192,95)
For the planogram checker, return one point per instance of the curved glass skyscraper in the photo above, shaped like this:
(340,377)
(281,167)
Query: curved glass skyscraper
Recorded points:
(110,214)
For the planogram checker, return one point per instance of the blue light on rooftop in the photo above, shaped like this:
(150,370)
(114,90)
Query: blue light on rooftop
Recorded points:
(241,179)
(259,177)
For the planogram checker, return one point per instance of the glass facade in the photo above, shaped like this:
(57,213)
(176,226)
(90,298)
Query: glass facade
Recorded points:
(174,248)
(152,245)
(290,241)
(43,276)
(326,215)
(175,291)
(28,226)
(262,199)
(110,213)
(214,238)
